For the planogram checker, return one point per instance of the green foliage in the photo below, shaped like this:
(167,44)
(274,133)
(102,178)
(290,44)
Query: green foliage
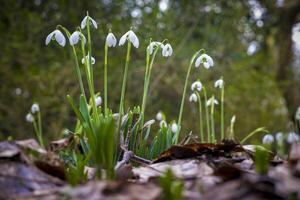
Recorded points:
(261,158)
(171,188)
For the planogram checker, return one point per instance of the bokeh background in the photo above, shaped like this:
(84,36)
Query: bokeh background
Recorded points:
(255,45)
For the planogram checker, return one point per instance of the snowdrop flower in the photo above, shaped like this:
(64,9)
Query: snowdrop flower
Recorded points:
(219,83)
(279,136)
(268,139)
(98,101)
(29,118)
(87,58)
(292,137)
(232,121)
(167,50)
(174,127)
(58,36)
(163,123)
(111,40)
(35,108)
(212,100)
(154,44)
(159,116)
(131,36)
(297,116)
(193,98)
(196,85)
(206,60)
(84,21)
(75,37)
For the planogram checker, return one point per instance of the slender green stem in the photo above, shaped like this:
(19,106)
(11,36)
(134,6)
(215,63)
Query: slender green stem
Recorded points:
(89,44)
(222,112)
(123,90)
(145,82)
(40,128)
(38,133)
(105,78)
(201,131)
(185,87)
(213,136)
(77,68)
(207,116)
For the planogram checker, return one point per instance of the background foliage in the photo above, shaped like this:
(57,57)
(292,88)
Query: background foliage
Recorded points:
(245,38)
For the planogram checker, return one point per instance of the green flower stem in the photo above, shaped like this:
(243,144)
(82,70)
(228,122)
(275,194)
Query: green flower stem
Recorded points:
(105,78)
(38,132)
(121,108)
(201,131)
(77,68)
(222,113)
(213,137)
(207,116)
(90,82)
(185,86)
(89,44)
(147,80)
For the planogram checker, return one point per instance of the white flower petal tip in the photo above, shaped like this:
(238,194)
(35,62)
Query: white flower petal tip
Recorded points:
(197,85)
(98,101)
(279,137)
(159,116)
(35,108)
(219,83)
(75,37)
(297,115)
(167,50)
(292,137)
(57,36)
(111,40)
(174,127)
(268,139)
(193,98)
(87,58)
(232,121)
(131,37)
(211,101)
(29,118)
(92,22)
(206,60)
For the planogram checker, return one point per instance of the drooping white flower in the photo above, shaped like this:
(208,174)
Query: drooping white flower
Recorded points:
(212,100)
(219,83)
(297,115)
(131,37)
(29,118)
(292,137)
(75,37)
(92,22)
(193,98)
(196,85)
(35,108)
(153,45)
(57,36)
(87,58)
(163,123)
(167,50)
(279,136)
(174,127)
(206,60)
(268,139)
(159,116)
(111,40)
(98,101)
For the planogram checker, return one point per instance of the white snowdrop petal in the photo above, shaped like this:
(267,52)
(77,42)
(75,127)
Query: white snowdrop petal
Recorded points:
(98,101)
(49,37)
(83,22)
(159,116)
(60,38)
(268,139)
(174,128)
(193,98)
(122,40)
(206,65)
(136,43)
(74,38)
(29,118)
(198,62)
(93,60)
(94,23)
(209,60)
(35,108)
